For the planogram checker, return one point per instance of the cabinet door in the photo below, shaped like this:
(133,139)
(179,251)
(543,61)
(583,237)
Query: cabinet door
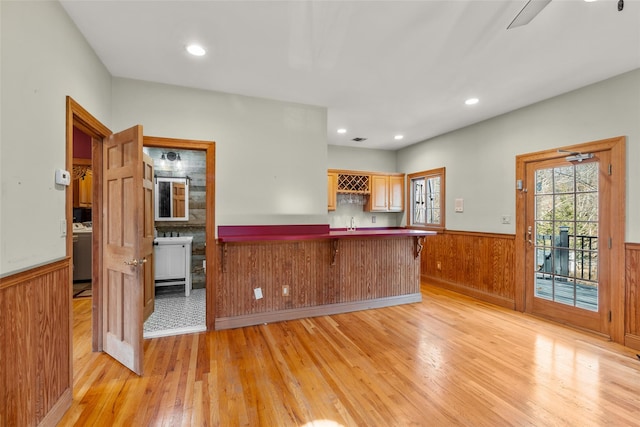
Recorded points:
(378,200)
(169,262)
(85,190)
(396,193)
(332,189)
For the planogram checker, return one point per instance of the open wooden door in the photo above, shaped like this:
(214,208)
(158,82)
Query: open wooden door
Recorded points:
(148,236)
(127,249)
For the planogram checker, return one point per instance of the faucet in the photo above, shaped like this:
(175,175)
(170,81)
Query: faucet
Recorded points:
(352,225)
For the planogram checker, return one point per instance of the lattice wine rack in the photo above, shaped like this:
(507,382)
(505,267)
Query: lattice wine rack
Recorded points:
(353,184)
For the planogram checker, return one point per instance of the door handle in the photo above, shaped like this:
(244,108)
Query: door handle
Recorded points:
(529,235)
(136,262)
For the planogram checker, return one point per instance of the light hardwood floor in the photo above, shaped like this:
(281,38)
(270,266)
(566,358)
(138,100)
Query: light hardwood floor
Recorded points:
(449,360)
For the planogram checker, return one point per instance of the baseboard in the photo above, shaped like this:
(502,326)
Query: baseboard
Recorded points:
(176,331)
(474,293)
(322,310)
(632,341)
(58,410)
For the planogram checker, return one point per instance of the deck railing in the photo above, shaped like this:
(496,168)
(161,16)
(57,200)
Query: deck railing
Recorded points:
(558,257)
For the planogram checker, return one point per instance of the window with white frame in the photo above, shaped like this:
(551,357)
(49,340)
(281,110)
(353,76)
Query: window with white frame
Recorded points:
(426,199)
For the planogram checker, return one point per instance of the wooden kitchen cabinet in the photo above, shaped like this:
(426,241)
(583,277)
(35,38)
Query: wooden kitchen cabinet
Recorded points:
(387,193)
(82,191)
(379,199)
(396,193)
(85,190)
(332,191)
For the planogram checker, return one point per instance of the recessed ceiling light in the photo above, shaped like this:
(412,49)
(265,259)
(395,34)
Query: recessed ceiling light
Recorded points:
(342,130)
(398,137)
(472,101)
(196,50)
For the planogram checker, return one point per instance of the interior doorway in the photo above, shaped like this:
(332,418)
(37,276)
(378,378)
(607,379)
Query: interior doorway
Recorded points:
(78,118)
(180,229)
(569,207)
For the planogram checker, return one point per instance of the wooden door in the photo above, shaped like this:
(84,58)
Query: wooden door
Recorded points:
(148,236)
(125,259)
(568,230)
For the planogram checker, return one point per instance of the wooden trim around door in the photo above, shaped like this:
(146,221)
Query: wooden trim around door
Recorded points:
(78,117)
(210,242)
(616,212)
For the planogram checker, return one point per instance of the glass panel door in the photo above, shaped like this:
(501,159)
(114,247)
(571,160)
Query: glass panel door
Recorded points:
(566,235)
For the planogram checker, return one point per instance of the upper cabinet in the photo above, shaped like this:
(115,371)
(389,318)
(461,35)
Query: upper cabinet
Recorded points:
(82,183)
(332,191)
(396,193)
(382,192)
(387,193)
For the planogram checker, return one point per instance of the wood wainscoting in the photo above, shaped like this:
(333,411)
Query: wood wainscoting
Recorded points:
(632,296)
(35,345)
(367,273)
(480,265)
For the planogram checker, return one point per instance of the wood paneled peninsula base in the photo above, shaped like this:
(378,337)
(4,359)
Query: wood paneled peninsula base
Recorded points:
(283,272)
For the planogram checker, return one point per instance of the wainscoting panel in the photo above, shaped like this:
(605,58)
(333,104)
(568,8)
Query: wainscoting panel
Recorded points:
(632,295)
(35,347)
(480,265)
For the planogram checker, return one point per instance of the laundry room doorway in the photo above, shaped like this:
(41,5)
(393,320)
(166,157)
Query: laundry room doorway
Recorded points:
(98,314)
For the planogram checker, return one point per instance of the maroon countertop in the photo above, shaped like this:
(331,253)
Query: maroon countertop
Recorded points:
(256,233)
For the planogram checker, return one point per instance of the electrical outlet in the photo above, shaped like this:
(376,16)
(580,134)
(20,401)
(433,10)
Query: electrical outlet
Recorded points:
(258,293)
(204,265)
(438,265)
(285,291)
(373,219)
(63,227)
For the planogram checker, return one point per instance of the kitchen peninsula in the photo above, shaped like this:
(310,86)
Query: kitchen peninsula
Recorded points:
(272,273)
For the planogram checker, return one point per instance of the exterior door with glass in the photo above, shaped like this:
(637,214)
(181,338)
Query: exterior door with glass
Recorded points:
(567,230)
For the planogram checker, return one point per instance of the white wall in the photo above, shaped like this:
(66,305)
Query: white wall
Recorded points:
(361,159)
(271,156)
(480,159)
(43,59)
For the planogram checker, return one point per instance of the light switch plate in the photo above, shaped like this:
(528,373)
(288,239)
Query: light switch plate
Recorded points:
(258,293)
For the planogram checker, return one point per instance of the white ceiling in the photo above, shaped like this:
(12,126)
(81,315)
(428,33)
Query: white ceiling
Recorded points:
(380,67)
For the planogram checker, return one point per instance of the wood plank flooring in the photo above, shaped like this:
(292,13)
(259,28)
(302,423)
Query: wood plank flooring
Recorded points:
(449,360)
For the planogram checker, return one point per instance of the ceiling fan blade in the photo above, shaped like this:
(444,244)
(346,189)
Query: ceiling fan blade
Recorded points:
(528,12)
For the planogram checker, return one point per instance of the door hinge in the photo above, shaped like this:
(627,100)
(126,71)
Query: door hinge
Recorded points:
(610,242)
(610,169)
(610,316)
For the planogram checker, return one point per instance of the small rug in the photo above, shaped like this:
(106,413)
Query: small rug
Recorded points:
(84,294)
(82,290)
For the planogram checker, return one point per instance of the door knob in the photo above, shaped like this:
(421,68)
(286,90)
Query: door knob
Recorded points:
(136,262)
